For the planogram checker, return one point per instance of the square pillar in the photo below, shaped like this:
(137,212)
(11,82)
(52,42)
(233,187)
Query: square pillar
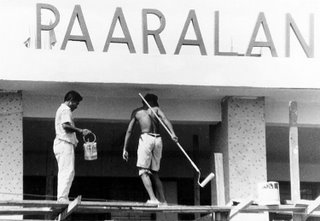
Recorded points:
(241,139)
(11,146)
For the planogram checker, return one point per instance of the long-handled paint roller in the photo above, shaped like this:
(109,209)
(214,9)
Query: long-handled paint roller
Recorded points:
(209,177)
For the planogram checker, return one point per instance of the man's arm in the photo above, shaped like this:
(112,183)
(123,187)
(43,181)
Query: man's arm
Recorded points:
(70,129)
(167,123)
(125,154)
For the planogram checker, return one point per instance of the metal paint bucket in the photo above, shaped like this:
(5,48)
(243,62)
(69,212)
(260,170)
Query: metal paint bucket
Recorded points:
(268,193)
(90,148)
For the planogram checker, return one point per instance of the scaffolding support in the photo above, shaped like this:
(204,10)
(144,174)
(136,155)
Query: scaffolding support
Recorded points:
(71,207)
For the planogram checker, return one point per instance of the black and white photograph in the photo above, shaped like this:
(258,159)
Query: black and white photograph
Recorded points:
(141,110)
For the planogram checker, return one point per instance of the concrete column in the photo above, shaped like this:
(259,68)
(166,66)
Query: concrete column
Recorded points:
(11,148)
(241,139)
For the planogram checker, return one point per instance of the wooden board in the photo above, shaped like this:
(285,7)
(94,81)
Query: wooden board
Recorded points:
(294,152)
(71,207)
(26,207)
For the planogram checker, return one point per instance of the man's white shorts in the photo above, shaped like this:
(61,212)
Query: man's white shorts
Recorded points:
(149,152)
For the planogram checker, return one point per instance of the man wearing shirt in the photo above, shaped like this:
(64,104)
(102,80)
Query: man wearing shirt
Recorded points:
(65,142)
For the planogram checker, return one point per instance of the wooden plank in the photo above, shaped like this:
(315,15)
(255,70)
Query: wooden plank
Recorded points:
(204,210)
(136,207)
(102,206)
(58,205)
(168,209)
(294,152)
(242,205)
(212,209)
(117,203)
(25,211)
(71,207)
(218,162)
(31,203)
(196,187)
(311,208)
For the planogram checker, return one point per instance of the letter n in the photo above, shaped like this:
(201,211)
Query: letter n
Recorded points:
(309,50)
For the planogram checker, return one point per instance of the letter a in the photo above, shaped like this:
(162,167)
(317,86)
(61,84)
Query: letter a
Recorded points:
(199,42)
(77,13)
(118,15)
(269,43)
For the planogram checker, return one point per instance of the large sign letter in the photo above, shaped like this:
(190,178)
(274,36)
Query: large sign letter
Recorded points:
(40,26)
(217,38)
(309,50)
(199,42)
(85,37)
(154,33)
(268,44)
(118,15)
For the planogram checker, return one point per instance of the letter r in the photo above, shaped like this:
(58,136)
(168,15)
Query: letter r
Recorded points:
(40,26)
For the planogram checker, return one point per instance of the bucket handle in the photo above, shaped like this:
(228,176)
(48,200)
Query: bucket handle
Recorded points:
(94,137)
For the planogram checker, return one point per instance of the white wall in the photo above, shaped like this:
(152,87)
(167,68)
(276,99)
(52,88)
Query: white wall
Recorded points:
(108,108)
(237,22)
(121,108)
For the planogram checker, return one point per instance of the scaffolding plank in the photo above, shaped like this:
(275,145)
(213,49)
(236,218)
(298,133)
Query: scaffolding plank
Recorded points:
(32,203)
(24,208)
(166,209)
(71,207)
(313,206)
(25,211)
(242,205)
(212,209)
(58,205)
(117,203)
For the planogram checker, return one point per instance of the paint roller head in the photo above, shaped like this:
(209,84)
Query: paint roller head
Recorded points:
(207,180)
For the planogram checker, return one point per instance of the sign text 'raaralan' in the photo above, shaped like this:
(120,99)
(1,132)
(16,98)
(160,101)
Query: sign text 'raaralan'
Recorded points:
(191,22)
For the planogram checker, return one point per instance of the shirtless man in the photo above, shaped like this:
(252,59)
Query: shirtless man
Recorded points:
(150,146)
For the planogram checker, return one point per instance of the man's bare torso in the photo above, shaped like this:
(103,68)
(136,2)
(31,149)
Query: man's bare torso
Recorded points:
(147,121)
